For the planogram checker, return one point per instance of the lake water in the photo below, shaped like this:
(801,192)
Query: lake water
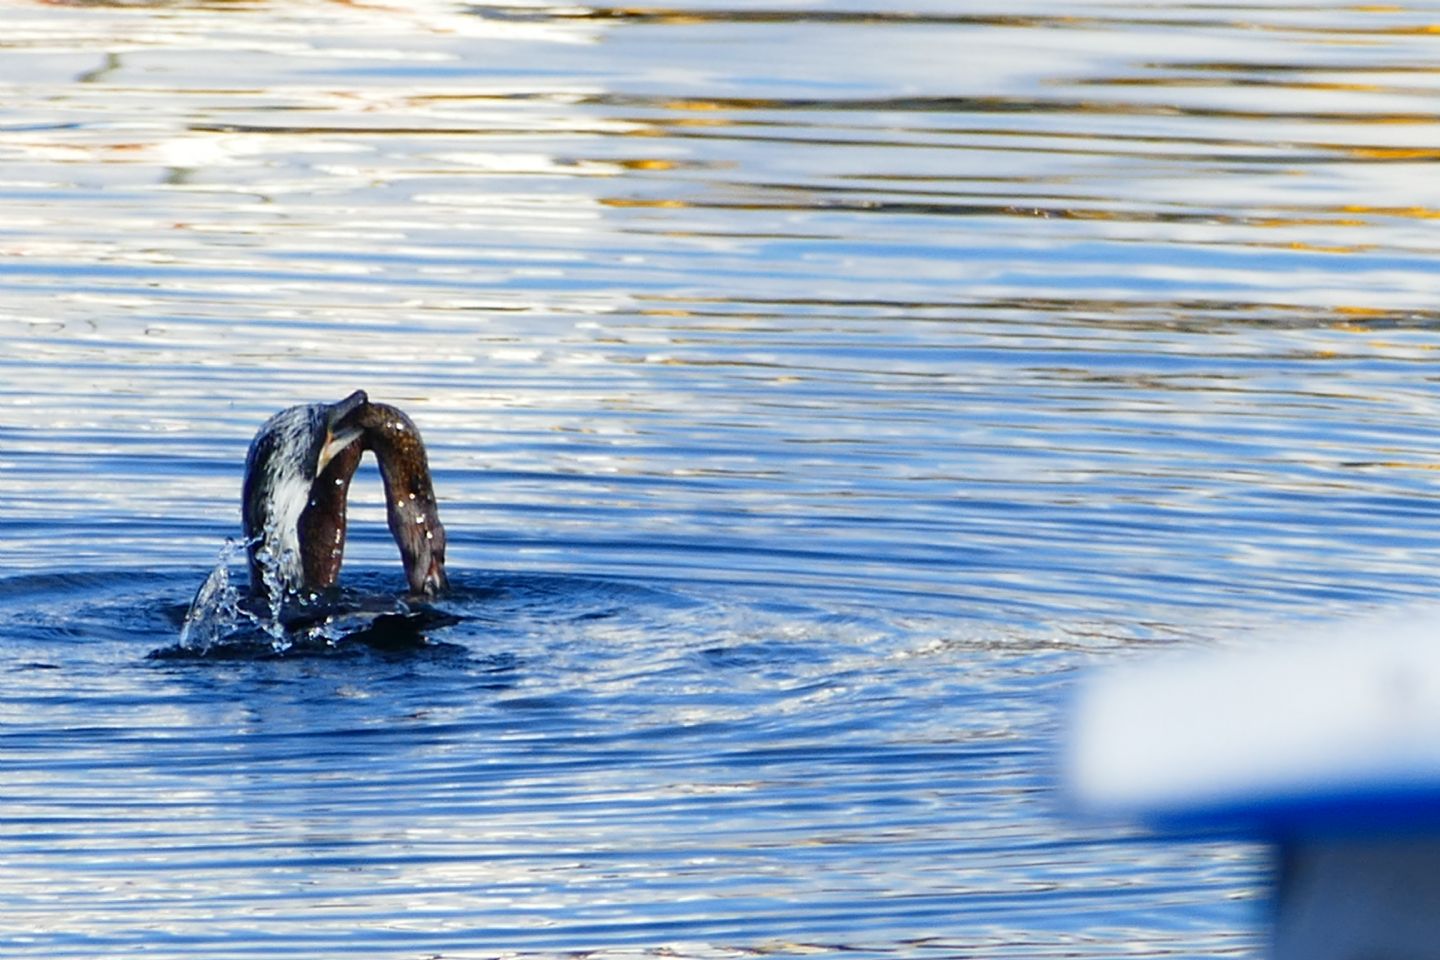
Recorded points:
(812,389)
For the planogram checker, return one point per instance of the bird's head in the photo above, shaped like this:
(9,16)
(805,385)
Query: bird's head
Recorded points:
(289,452)
(342,427)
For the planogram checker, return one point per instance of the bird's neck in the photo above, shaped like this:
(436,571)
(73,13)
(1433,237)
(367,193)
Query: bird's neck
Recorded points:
(281,538)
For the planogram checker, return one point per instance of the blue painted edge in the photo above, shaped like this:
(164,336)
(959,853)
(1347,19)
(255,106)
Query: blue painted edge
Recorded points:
(1351,813)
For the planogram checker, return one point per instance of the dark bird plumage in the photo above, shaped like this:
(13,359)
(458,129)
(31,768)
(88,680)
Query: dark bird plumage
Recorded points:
(297,481)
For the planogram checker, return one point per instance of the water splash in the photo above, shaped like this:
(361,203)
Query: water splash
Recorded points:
(219,611)
(271,566)
(223,618)
(215,610)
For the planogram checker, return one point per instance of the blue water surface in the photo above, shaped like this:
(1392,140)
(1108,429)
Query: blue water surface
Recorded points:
(812,393)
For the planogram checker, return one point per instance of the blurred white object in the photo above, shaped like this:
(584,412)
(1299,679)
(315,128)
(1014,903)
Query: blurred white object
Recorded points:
(1296,729)
(1328,747)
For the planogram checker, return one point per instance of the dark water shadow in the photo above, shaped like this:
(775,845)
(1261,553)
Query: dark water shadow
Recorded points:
(398,633)
(366,617)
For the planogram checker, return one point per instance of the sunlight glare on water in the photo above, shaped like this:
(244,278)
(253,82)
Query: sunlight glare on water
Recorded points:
(810,390)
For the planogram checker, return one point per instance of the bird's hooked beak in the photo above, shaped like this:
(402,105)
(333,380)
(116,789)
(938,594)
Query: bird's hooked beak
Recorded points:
(342,427)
